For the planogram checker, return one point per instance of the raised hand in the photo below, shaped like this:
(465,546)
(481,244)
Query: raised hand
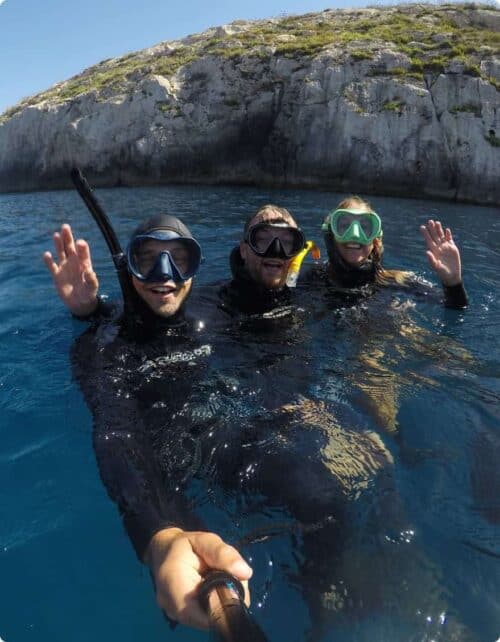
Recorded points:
(442,253)
(178,561)
(74,278)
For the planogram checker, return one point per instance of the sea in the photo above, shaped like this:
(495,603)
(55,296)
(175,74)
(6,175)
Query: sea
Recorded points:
(421,379)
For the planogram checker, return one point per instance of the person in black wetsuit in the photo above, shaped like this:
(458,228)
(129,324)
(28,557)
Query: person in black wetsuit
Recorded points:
(148,369)
(354,274)
(353,240)
(260,264)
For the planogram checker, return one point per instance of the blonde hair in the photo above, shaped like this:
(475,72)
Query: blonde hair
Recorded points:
(270,211)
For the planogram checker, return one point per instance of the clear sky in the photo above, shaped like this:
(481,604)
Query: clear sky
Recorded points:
(45,41)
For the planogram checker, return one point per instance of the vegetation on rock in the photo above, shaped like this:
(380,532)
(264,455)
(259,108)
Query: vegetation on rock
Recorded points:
(432,37)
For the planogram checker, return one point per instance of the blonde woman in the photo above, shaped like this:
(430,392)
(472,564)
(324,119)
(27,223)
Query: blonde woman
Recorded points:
(353,239)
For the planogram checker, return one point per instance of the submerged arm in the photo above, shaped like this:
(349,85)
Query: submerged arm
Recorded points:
(157,516)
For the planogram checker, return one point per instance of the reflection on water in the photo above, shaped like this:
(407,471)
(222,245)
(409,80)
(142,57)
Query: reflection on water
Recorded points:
(351,452)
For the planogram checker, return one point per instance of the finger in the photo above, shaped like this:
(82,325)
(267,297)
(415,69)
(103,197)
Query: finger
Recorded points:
(83,252)
(431,228)
(433,262)
(431,244)
(51,265)
(177,596)
(59,245)
(90,278)
(448,236)
(193,615)
(68,240)
(439,231)
(217,554)
(247,592)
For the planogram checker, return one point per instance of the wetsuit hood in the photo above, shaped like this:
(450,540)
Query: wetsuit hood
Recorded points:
(159,222)
(145,320)
(346,275)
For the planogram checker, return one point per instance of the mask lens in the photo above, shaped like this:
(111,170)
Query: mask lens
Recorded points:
(343,223)
(361,227)
(144,256)
(152,259)
(366,223)
(261,237)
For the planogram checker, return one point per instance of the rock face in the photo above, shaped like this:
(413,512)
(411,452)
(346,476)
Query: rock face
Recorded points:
(374,101)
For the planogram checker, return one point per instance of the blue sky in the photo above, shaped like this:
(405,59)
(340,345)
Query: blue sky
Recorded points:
(45,41)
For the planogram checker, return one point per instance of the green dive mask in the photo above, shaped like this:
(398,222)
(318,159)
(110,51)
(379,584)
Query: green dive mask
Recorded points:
(353,226)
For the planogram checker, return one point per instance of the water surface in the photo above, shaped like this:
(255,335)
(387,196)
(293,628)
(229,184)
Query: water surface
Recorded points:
(68,571)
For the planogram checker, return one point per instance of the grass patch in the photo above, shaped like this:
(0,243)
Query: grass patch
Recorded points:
(361,55)
(467,109)
(492,139)
(393,105)
(405,28)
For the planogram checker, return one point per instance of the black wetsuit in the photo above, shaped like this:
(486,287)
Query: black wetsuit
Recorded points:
(346,285)
(136,386)
(243,297)
(172,404)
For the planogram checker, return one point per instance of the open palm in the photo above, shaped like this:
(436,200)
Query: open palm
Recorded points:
(74,278)
(442,253)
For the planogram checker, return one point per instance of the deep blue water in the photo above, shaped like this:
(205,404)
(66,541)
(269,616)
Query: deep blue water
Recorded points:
(67,569)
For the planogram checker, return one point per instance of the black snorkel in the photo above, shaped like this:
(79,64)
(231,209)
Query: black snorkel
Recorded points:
(104,224)
(222,598)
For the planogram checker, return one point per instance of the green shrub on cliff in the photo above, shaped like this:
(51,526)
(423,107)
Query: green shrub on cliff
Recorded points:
(431,36)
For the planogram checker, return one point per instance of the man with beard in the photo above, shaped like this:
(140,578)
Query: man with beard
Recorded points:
(126,371)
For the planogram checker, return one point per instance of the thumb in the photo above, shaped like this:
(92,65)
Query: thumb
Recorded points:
(90,278)
(217,554)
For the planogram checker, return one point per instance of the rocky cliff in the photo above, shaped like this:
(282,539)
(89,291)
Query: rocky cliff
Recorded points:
(396,100)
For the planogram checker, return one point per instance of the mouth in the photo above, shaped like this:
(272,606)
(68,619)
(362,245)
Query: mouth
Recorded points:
(353,246)
(163,291)
(273,264)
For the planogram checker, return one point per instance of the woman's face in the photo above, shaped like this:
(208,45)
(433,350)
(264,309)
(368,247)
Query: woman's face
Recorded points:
(354,254)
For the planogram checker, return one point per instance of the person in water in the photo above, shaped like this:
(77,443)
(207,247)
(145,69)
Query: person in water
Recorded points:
(353,239)
(260,263)
(134,396)
(162,259)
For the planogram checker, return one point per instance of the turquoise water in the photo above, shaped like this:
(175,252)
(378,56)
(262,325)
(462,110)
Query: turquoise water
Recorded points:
(68,571)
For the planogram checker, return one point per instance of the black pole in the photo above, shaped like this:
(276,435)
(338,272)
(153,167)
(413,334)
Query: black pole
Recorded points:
(222,597)
(102,220)
(99,215)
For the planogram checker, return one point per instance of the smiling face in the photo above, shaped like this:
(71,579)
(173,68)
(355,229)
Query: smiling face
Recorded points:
(271,273)
(167,297)
(354,254)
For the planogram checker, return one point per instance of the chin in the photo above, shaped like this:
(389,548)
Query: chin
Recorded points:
(167,311)
(274,284)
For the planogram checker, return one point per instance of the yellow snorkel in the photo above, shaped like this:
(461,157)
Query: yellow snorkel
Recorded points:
(294,269)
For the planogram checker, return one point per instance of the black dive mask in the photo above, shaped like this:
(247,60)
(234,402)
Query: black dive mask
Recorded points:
(163,255)
(275,240)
